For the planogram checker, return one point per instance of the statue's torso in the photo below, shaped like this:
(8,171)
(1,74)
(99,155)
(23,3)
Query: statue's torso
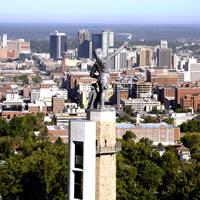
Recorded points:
(103,65)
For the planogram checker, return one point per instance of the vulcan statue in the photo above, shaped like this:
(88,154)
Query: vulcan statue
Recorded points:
(101,71)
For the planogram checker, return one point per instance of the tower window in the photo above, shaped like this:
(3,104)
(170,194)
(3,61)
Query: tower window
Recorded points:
(78,155)
(78,185)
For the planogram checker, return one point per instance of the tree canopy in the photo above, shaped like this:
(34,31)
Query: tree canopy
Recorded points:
(39,169)
(143,174)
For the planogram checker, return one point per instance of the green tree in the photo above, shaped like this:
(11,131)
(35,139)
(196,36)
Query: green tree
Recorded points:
(190,126)
(149,176)
(4,128)
(129,135)
(128,110)
(190,140)
(169,120)
(5,148)
(146,141)
(58,141)
(37,79)
(23,78)
(39,172)
(126,175)
(150,119)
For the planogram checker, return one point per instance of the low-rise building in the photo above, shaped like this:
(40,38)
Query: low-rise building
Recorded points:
(55,132)
(70,114)
(183,153)
(157,132)
(140,105)
(180,118)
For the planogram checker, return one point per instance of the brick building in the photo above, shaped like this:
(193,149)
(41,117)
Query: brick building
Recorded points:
(33,108)
(163,77)
(11,114)
(190,102)
(58,104)
(184,90)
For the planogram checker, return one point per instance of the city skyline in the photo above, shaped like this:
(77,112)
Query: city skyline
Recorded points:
(88,11)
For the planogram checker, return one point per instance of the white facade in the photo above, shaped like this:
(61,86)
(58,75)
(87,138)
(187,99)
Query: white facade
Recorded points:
(50,92)
(121,60)
(4,43)
(82,161)
(180,118)
(111,39)
(12,96)
(186,76)
(163,44)
(140,105)
(194,70)
(35,95)
(107,41)
(71,53)
(176,61)
(185,156)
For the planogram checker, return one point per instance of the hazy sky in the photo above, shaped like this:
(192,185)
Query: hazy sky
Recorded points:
(101,11)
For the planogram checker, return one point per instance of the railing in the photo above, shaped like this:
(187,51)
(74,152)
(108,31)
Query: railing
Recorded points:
(109,149)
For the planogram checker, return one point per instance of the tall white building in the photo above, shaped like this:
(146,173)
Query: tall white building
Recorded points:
(107,41)
(121,60)
(4,43)
(163,44)
(175,62)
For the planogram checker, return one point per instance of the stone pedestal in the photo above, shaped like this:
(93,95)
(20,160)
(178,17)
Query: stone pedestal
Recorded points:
(106,149)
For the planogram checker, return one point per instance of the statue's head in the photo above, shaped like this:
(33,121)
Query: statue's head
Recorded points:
(99,53)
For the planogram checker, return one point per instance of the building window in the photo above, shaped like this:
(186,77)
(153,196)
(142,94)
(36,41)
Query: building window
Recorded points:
(79,155)
(78,185)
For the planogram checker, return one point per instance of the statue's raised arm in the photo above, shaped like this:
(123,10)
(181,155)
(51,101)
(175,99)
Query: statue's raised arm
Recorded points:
(125,44)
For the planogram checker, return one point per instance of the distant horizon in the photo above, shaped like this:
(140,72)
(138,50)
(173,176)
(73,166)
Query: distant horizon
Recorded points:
(101,23)
(41,31)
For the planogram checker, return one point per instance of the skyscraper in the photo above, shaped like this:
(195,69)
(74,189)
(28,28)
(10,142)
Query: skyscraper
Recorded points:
(85,48)
(175,61)
(4,42)
(107,41)
(163,44)
(96,41)
(145,57)
(112,60)
(58,44)
(83,35)
(121,62)
(164,57)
